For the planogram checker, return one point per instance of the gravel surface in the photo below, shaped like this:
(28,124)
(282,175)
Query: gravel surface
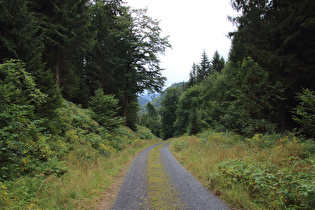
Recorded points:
(133,192)
(190,190)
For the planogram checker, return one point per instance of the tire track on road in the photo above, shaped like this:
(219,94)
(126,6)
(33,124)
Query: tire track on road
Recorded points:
(166,176)
(133,191)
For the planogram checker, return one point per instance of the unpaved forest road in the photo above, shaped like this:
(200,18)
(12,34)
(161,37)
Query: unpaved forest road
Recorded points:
(133,193)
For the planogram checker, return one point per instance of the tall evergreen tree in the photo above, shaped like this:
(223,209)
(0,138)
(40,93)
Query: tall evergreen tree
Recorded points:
(278,35)
(21,38)
(106,61)
(62,23)
(203,68)
(19,34)
(193,75)
(217,62)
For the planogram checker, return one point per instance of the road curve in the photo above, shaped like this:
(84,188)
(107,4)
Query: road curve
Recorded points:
(133,193)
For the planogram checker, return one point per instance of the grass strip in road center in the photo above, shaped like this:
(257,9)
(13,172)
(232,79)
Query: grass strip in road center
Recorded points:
(162,194)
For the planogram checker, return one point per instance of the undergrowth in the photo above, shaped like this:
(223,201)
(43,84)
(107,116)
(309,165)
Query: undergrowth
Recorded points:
(74,167)
(265,171)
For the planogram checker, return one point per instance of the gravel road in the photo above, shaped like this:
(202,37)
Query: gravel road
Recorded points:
(133,193)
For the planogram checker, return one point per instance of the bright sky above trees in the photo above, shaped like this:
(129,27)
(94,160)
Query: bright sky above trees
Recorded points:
(193,26)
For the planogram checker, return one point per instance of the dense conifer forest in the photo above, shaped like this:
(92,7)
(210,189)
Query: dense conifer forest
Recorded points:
(71,73)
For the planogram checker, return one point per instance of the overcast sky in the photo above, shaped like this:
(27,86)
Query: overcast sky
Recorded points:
(193,26)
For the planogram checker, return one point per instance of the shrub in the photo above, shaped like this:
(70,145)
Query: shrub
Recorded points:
(271,186)
(105,109)
(305,112)
(145,133)
(21,143)
(180,145)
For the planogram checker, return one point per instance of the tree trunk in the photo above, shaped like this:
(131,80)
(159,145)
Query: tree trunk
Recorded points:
(57,69)
(125,105)
(126,97)
(282,117)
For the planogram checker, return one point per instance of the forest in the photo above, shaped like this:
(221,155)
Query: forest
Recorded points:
(70,75)
(71,72)
(265,86)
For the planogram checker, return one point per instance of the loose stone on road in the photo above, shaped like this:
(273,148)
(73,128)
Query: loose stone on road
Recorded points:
(156,180)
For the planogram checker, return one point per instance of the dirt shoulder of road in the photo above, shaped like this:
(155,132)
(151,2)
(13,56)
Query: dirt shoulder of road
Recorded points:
(108,197)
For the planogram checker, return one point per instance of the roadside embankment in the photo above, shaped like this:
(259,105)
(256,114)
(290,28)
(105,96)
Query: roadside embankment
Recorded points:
(265,171)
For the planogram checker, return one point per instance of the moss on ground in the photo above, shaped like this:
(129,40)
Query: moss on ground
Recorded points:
(162,195)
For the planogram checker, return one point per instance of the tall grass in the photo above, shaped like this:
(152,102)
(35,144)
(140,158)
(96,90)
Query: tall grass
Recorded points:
(87,180)
(89,176)
(265,171)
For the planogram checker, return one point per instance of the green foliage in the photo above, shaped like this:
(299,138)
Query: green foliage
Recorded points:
(305,112)
(278,36)
(152,120)
(22,145)
(132,115)
(145,133)
(217,62)
(254,95)
(188,114)
(105,108)
(44,157)
(281,188)
(178,146)
(168,110)
(263,172)
(240,98)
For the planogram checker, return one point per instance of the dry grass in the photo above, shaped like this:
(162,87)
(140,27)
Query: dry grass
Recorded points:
(92,181)
(203,155)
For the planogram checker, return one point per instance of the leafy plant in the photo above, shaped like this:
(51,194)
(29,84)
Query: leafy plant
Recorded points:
(304,113)
(271,186)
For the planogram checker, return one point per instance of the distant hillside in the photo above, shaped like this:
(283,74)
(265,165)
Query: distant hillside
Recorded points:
(142,100)
(157,101)
(150,97)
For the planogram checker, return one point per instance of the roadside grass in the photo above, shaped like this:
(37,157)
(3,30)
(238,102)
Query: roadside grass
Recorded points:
(86,180)
(265,171)
(161,193)
(71,167)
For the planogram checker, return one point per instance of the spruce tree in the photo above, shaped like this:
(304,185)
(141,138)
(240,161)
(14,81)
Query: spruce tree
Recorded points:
(62,24)
(278,35)
(217,62)
(21,37)
(193,75)
(203,68)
